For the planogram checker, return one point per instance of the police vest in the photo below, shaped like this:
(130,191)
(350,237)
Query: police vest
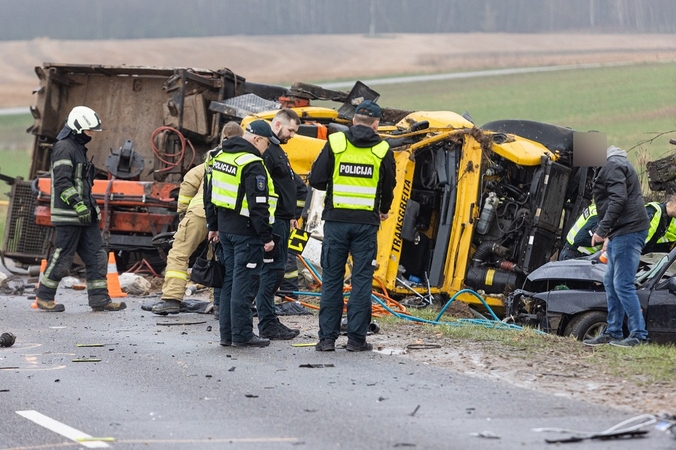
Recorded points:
(581,221)
(655,221)
(665,233)
(356,173)
(670,234)
(226,178)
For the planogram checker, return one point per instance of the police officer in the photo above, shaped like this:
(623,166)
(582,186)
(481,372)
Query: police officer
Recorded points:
(357,170)
(191,232)
(240,202)
(662,231)
(75,216)
(284,126)
(578,240)
(661,234)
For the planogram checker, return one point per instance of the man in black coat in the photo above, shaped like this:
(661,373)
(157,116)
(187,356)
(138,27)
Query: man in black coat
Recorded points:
(623,228)
(284,126)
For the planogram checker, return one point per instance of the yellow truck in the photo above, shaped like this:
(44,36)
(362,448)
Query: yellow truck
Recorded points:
(475,207)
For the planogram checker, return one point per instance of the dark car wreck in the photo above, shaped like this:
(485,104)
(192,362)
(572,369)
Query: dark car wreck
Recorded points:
(568,298)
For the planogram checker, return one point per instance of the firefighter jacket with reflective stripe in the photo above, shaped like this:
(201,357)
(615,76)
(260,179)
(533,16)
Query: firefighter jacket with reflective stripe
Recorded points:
(579,236)
(72,180)
(239,196)
(361,139)
(191,187)
(301,196)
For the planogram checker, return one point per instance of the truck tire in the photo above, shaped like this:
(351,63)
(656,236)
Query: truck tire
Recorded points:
(587,325)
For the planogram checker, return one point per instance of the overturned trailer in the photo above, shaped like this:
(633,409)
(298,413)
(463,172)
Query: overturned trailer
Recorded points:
(157,124)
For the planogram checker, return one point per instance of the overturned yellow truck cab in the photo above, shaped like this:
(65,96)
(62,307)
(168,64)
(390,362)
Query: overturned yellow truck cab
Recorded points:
(475,207)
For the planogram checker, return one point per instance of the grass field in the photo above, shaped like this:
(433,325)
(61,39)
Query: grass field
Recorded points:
(15,145)
(631,104)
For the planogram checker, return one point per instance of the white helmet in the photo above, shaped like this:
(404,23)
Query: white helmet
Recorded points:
(83,118)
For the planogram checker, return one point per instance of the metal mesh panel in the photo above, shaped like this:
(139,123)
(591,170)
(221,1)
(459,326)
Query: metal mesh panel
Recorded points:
(250,104)
(23,237)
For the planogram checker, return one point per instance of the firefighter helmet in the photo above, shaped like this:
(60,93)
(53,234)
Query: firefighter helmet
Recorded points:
(82,118)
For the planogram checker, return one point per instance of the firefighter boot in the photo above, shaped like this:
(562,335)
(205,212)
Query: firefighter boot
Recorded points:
(112,306)
(165,307)
(50,306)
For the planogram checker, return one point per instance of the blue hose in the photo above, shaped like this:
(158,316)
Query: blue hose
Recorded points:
(488,323)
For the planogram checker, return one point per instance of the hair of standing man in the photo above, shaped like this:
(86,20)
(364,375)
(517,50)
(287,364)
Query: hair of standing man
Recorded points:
(360,119)
(231,129)
(671,198)
(288,115)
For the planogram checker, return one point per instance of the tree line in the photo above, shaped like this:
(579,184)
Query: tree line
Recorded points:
(136,19)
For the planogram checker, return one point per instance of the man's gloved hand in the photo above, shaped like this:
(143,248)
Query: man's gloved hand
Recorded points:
(83,213)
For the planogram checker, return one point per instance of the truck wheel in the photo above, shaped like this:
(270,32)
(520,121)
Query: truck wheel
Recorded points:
(587,325)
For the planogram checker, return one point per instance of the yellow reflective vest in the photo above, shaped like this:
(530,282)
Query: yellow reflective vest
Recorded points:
(356,173)
(226,179)
(589,213)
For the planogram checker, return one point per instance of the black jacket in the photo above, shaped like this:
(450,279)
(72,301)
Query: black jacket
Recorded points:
(321,177)
(618,198)
(283,178)
(230,221)
(73,173)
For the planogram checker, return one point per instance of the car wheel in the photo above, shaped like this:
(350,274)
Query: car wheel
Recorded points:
(587,325)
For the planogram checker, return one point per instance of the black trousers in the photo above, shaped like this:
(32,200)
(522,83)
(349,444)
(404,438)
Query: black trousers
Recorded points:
(87,243)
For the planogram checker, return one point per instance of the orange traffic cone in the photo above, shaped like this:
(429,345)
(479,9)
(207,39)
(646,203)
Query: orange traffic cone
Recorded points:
(43,266)
(114,289)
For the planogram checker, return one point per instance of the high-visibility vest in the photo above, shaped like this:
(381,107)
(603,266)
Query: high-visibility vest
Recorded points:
(670,234)
(581,221)
(655,221)
(356,173)
(226,179)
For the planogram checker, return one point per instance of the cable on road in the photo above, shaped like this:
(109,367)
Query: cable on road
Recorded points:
(384,305)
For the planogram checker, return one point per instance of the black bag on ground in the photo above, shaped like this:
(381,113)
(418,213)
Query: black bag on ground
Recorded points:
(208,270)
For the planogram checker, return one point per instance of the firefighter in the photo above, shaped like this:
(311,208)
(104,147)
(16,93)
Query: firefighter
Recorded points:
(75,216)
(357,170)
(192,231)
(240,201)
(578,240)
(284,126)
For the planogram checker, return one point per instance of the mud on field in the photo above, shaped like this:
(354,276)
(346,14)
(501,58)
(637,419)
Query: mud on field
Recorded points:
(316,58)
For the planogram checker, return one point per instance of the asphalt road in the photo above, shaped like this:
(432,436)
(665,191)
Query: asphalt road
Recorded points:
(175,387)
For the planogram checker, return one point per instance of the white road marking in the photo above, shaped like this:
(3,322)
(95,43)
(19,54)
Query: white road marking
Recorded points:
(62,429)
